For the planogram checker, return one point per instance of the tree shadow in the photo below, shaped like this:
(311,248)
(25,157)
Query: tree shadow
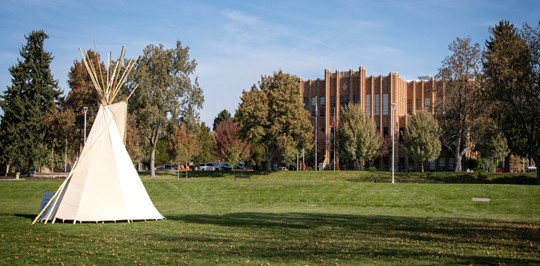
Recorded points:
(339,236)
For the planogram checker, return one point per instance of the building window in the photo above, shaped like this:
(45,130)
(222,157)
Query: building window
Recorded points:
(314,106)
(418,104)
(356,99)
(306,103)
(322,105)
(344,100)
(427,104)
(385,131)
(442,164)
(385,104)
(368,104)
(432,165)
(409,106)
(377,104)
(332,106)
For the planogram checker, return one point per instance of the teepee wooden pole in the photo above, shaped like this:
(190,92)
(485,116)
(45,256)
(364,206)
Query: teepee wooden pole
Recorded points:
(54,197)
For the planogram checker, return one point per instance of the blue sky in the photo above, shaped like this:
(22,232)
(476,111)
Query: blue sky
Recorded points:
(235,42)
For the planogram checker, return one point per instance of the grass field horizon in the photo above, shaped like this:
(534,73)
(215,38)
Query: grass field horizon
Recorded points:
(339,218)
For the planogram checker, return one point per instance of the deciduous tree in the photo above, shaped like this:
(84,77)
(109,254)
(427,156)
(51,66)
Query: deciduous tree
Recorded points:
(183,146)
(206,141)
(492,144)
(165,93)
(229,146)
(460,110)
(358,138)
(422,135)
(273,115)
(60,123)
(82,94)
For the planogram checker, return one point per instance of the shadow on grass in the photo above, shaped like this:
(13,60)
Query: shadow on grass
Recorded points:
(449,178)
(482,178)
(30,217)
(307,236)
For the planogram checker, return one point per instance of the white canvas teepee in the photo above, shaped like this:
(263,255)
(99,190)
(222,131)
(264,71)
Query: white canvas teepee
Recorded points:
(104,184)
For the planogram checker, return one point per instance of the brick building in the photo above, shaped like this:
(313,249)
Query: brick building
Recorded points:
(325,98)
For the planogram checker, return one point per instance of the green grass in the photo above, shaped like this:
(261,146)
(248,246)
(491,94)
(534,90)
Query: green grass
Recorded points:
(293,218)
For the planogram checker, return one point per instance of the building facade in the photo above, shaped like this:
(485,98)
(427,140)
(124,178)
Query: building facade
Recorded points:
(376,96)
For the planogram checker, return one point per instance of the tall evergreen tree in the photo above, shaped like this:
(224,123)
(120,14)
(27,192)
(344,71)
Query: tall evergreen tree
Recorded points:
(222,116)
(422,137)
(510,64)
(273,115)
(27,102)
(358,138)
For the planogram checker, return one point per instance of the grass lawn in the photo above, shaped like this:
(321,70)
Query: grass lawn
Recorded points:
(306,218)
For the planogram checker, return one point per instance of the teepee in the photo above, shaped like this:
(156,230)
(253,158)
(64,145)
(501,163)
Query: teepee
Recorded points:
(103,184)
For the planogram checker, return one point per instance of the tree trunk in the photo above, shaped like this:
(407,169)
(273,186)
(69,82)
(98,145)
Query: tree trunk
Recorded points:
(422,164)
(457,158)
(269,156)
(30,165)
(537,163)
(152,161)
(507,163)
(268,165)
(7,169)
(153,141)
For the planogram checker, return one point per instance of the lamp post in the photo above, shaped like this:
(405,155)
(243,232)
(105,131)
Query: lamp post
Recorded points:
(393,142)
(316,140)
(85,109)
(335,127)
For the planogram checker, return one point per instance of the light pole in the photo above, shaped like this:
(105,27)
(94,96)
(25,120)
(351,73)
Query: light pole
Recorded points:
(85,109)
(393,142)
(335,127)
(316,140)
(65,157)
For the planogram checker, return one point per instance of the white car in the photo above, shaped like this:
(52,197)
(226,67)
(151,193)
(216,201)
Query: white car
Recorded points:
(208,167)
(531,168)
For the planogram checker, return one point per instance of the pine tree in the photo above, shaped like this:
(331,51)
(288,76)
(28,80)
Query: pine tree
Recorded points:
(222,116)
(510,64)
(27,102)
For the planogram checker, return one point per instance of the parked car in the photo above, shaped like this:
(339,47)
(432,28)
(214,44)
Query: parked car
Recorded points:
(226,167)
(167,167)
(531,168)
(240,166)
(501,170)
(210,166)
